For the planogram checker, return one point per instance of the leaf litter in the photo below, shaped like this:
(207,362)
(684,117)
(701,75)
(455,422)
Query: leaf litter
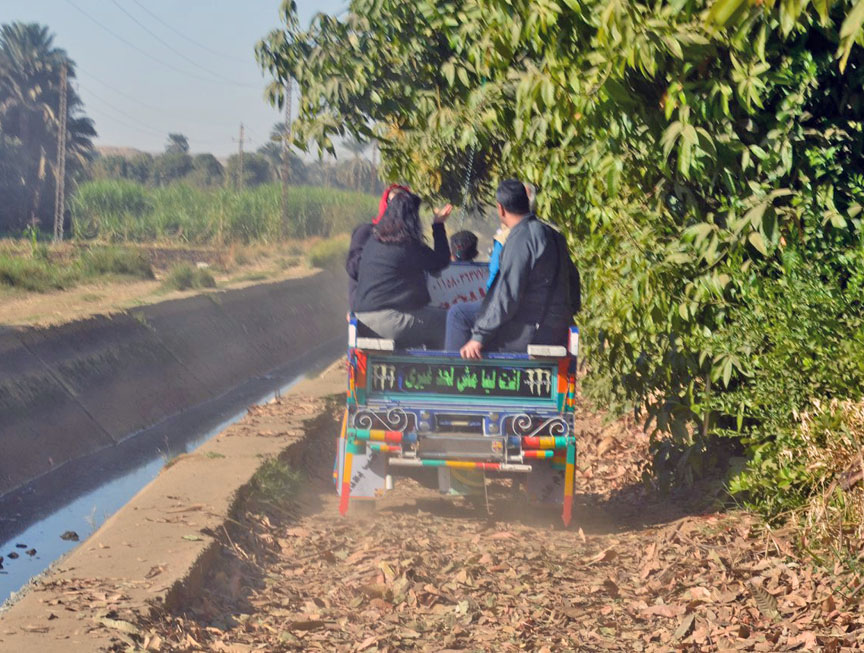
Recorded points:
(636,572)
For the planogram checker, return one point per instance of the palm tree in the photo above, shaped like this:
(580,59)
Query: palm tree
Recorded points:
(177,144)
(273,151)
(30,71)
(359,166)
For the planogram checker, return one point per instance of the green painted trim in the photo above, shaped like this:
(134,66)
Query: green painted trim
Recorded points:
(458,400)
(554,402)
(359,434)
(355,447)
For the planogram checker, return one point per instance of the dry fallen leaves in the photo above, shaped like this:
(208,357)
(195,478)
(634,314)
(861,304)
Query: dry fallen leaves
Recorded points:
(433,574)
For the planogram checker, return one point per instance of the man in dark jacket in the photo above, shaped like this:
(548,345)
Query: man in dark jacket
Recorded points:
(536,291)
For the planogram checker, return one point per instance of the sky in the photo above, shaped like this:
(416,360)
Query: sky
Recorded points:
(147,68)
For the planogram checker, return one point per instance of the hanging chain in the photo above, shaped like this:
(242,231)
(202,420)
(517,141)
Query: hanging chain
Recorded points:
(466,186)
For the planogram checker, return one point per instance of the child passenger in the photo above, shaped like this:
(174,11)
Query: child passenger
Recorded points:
(463,246)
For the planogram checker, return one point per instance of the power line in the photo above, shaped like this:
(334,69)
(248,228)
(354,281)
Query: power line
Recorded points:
(139,128)
(143,52)
(182,35)
(118,91)
(120,111)
(138,102)
(145,128)
(175,50)
(135,123)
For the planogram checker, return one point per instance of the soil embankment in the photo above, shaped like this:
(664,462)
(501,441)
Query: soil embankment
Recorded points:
(71,390)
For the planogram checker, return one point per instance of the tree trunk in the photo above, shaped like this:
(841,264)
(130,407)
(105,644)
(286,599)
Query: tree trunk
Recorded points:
(37,189)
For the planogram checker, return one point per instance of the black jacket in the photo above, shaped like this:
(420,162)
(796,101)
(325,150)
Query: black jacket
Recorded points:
(535,293)
(394,276)
(359,238)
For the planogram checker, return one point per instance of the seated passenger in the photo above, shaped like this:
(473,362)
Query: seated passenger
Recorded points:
(462,316)
(536,291)
(359,238)
(392,299)
(463,246)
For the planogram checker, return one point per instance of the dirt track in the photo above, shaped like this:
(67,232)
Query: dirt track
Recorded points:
(633,573)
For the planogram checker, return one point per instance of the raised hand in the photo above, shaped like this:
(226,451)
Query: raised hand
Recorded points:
(441,215)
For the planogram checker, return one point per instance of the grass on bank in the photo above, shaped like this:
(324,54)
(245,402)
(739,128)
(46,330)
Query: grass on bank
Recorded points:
(117,260)
(35,275)
(275,484)
(184,276)
(330,253)
(39,273)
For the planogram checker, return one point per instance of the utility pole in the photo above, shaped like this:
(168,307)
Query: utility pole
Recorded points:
(374,174)
(240,152)
(60,170)
(286,151)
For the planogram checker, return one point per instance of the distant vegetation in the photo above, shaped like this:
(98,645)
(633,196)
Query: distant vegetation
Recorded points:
(266,165)
(30,69)
(173,194)
(121,210)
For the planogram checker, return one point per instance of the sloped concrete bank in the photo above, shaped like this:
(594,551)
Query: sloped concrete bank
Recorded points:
(158,547)
(69,391)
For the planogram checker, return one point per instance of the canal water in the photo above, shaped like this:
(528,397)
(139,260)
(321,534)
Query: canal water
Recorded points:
(79,496)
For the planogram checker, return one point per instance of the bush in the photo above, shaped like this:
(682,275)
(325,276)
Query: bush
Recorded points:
(35,274)
(330,253)
(117,260)
(275,482)
(184,276)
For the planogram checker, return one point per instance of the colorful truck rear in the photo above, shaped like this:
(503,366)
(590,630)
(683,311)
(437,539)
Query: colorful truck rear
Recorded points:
(509,414)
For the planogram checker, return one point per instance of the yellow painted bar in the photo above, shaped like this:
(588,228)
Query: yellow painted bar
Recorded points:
(377,435)
(461,464)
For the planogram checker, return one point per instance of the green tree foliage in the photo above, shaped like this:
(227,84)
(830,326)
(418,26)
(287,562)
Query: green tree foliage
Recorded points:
(30,69)
(206,171)
(170,167)
(704,159)
(111,166)
(139,167)
(256,169)
(177,143)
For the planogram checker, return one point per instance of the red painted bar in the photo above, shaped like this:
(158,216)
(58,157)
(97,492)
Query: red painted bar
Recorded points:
(541,453)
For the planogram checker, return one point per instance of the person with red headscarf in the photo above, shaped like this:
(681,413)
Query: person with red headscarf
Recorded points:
(360,236)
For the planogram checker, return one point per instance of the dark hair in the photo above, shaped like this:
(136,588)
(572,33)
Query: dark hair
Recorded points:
(463,245)
(512,196)
(401,221)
